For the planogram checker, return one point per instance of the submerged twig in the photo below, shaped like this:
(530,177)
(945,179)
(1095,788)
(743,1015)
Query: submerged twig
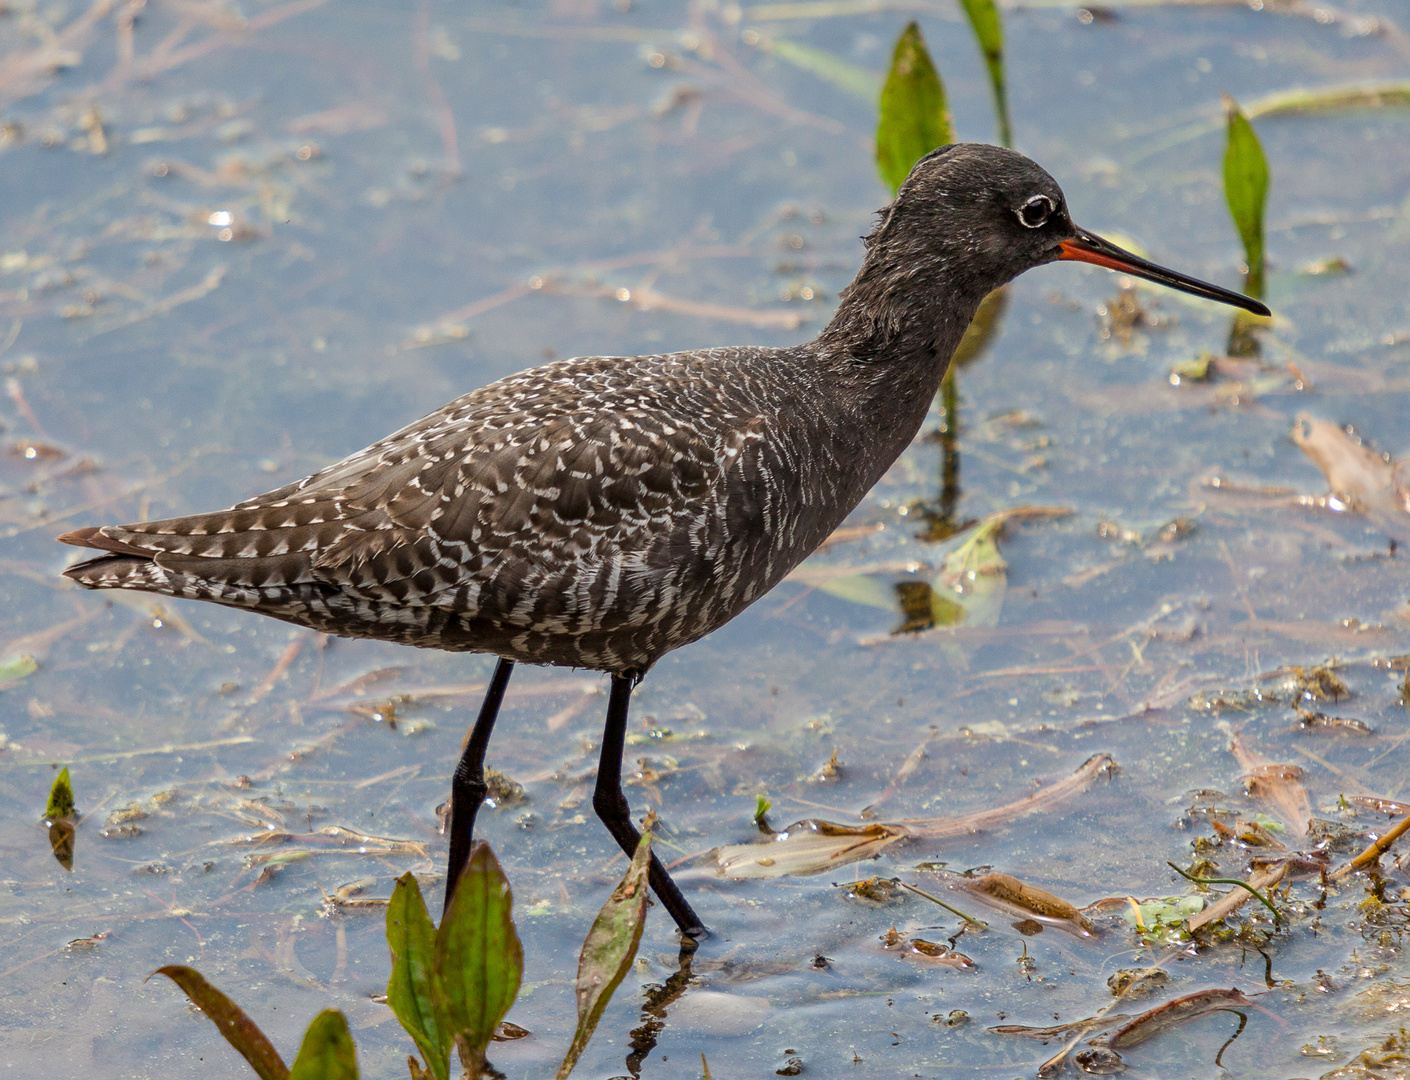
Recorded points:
(969,920)
(1378,848)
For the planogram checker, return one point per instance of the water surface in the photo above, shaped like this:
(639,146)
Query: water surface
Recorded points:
(236,244)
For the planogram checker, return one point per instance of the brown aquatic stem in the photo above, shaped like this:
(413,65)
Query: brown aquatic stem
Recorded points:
(1375,851)
(969,920)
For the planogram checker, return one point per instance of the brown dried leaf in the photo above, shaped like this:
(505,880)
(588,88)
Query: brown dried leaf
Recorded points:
(807,847)
(1177,1011)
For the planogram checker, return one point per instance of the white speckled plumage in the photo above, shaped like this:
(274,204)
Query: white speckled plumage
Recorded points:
(595,512)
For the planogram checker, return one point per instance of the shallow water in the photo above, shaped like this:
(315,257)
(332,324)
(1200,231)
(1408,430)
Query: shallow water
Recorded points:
(420,202)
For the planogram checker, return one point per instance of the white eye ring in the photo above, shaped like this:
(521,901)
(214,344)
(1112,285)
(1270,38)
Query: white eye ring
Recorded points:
(1034,213)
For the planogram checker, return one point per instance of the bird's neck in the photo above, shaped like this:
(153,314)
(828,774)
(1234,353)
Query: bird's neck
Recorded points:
(891,341)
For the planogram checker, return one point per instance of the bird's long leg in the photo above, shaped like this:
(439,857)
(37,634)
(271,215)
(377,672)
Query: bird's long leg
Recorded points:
(467,787)
(611,806)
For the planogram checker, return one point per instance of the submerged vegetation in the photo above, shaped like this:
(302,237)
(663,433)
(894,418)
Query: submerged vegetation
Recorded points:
(451,985)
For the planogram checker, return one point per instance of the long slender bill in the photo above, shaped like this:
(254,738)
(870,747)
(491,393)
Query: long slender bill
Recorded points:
(1091,248)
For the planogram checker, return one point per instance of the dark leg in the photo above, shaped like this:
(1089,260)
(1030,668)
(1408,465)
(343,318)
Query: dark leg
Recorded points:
(611,806)
(467,787)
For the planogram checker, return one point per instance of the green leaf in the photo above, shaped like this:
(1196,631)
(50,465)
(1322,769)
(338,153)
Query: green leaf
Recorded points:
(16,668)
(478,959)
(327,1052)
(704,1065)
(913,118)
(974,579)
(1246,192)
(981,331)
(762,808)
(944,609)
(61,803)
(230,1020)
(411,940)
(859,589)
(609,950)
(1333,99)
(989,32)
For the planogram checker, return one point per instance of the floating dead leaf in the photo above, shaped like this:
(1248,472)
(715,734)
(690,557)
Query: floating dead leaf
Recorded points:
(1045,798)
(939,954)
(1096,1061)
(1360,479)
(855,583)
(973,579)
(1177,1011)
(1247,834)
(810,846)
(1008,894)
(61,841)
(1277,786)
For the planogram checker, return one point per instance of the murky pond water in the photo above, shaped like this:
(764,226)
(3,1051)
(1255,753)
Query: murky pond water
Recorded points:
(239,241)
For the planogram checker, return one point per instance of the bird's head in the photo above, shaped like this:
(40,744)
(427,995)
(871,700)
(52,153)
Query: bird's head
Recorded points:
(977,216)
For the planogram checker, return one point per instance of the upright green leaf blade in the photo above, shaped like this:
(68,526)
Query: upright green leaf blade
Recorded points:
(989,32)
(478,959)
(914,118)
(609,950)
(327,1052)
(1246,192)
(230,1020)
(411,940)
(61,801)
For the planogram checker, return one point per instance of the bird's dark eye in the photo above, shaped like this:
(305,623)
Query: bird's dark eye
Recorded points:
(1034,213)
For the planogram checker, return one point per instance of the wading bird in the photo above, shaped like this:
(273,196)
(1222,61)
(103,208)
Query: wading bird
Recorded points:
(601,511)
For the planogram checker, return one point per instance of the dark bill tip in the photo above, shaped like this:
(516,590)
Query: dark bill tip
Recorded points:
(1091,248)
